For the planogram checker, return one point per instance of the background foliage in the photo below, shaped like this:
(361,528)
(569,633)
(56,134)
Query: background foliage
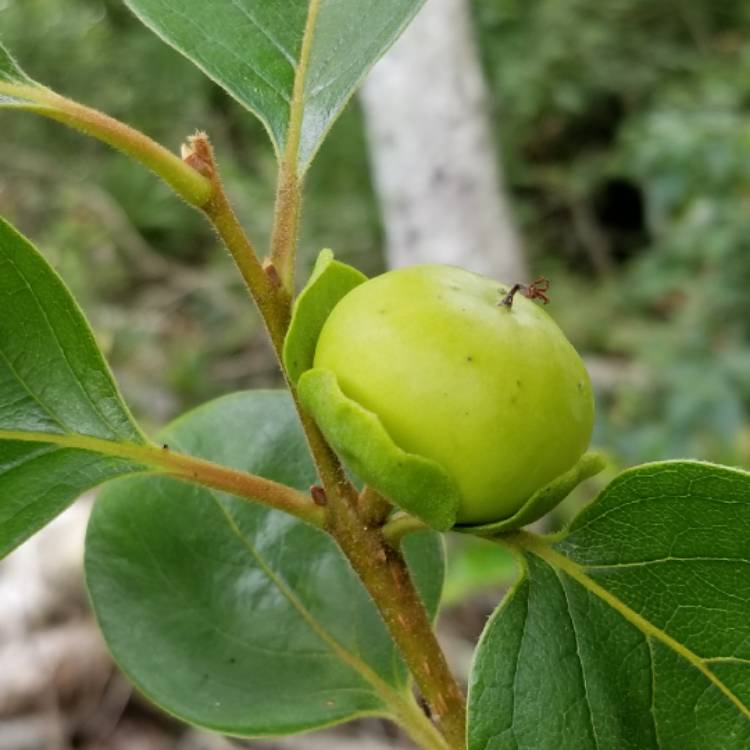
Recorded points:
(624,131)
(623,127)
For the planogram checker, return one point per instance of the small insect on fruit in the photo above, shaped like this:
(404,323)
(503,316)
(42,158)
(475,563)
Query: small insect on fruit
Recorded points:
(536,290)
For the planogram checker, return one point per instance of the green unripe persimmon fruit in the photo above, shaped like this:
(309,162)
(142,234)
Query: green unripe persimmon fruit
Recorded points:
(495,394)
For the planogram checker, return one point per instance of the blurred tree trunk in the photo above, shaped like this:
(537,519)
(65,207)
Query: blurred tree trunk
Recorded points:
(436,171)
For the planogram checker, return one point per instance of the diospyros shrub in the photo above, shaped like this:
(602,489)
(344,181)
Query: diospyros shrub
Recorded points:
(272,561)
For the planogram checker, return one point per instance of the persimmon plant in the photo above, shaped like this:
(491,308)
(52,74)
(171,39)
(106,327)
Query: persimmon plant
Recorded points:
(271,562)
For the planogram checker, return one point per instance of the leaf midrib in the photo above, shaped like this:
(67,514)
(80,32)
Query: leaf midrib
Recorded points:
(297,104)
(146,453)
(538,547)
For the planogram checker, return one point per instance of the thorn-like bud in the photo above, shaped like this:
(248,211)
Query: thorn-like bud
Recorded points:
(272,273)
(318,495)
(197,153)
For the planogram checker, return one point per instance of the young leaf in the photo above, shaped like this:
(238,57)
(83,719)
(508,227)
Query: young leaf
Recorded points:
(294,63)
(632,629)
(63,425)
(253,622)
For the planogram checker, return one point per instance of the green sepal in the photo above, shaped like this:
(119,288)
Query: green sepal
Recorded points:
(544,499)
(415,484)
(328,283)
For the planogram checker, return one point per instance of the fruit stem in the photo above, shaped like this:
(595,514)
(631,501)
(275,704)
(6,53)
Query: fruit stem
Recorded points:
(507,301)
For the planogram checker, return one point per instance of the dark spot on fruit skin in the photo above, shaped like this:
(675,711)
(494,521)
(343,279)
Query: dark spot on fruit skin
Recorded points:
(518,383)
(580,385)
(470,359)
(382,311)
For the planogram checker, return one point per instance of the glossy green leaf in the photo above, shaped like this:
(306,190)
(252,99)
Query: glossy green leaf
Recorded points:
(544,499)
(328,283)
(632,629)
(255,49)
(62,421)
(416,484)
(233,616)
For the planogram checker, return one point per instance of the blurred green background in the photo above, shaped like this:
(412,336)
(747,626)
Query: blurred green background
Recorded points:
(624,130)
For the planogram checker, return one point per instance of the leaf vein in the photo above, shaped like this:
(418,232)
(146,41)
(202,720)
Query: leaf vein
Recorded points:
(384,691)
(265,32)
(22,382)
(245,63)
(575,571)
(660,560)
(580,658)
(87,396)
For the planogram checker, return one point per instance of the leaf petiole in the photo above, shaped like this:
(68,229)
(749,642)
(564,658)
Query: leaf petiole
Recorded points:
(191,469)
(187,182)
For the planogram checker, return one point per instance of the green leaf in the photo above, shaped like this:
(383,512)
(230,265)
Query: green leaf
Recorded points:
(233,616)
(294,63)
(63,425)
(416,484)
(328,283)
(630,630)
